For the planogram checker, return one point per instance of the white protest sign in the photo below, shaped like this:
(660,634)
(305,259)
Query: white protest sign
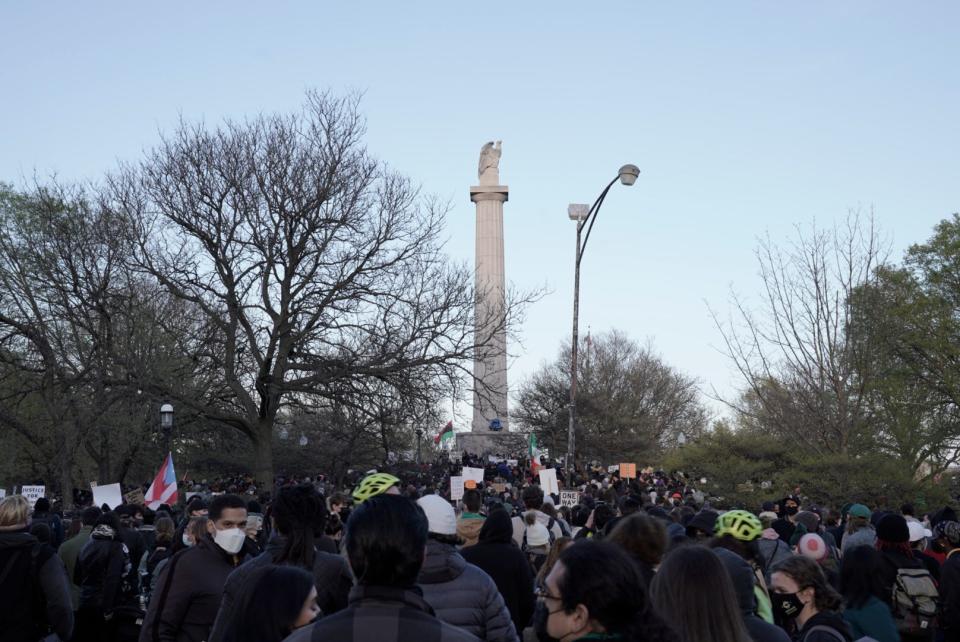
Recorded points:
(613,469)
(456,488)
(476,474)
(108,494)
(33,493)
(548,481)
(512,462)
(494,460)
(3,493)
(569,498)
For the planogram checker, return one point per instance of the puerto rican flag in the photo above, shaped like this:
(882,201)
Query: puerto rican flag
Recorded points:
(163,490)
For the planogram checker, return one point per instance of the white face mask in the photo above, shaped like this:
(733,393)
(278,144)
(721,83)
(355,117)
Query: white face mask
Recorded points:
(186,540)
(230,539)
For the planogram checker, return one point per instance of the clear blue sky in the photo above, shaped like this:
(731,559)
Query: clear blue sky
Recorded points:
(745,118)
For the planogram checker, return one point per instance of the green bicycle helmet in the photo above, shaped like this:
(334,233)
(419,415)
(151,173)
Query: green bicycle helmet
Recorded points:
(743,525)
(373,485)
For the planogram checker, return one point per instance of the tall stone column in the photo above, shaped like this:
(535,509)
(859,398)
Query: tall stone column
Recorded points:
(490,365)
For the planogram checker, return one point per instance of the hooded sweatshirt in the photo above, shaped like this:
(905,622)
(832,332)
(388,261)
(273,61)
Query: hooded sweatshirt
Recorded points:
(502,560)
(742,575)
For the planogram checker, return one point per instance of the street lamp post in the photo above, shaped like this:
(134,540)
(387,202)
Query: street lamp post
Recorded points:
(419,432)
(583,215)
(166,425)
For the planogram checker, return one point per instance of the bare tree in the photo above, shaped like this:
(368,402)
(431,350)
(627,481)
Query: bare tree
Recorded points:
(61,270)
(630,403)
(316,270)
(805,378)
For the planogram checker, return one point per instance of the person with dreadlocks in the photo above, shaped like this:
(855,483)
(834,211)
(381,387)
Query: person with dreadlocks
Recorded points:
(299,516)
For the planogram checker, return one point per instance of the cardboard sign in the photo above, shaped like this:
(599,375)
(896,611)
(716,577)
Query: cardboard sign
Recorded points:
(33,493)
(108,494)
(456,488)
(628,471)
(499,487)
(476,474)
(548,481)
(569,498)
(134,497)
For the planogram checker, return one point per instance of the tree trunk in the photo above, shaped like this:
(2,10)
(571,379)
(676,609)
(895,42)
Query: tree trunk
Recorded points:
(66,484)
(263,457)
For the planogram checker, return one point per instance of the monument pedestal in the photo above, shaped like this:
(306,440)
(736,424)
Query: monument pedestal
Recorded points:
(492,443)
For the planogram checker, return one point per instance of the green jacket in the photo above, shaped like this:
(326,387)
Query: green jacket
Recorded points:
(69,552)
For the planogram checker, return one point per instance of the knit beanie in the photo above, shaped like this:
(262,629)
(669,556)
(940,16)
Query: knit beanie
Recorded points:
(441,518)
(893,528)
(812,546)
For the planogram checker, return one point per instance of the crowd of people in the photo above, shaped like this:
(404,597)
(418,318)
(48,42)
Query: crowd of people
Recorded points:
(389,555)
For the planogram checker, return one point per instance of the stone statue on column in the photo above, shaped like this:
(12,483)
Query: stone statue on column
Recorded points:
(489,167)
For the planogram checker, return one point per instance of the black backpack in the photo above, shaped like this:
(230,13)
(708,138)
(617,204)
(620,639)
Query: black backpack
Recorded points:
(24,613)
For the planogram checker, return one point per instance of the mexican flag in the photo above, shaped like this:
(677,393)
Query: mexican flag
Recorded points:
(444,434)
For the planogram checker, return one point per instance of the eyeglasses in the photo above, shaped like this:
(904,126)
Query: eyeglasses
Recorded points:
(542,594)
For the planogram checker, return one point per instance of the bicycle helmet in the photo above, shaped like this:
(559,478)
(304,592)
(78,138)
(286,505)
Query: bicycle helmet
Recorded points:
(743,525)
(373,485)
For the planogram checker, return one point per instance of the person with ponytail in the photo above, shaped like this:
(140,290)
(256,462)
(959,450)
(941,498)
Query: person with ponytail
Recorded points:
(299,516)
(595,592)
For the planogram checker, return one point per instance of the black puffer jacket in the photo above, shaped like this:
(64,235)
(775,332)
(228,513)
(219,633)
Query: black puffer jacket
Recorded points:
(463,595)
(34,594)
(103,570)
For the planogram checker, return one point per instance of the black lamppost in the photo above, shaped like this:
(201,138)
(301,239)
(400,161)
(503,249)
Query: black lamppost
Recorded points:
(582,215)
(166,425)
(419,433)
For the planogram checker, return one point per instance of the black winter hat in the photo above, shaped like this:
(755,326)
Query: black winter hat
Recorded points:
(893,528)
(705,520)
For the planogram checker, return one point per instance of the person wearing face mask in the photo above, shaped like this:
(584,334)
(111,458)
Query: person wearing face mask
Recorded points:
(595,592)
(803,602)
(786,524)
(187,595)
(195,530)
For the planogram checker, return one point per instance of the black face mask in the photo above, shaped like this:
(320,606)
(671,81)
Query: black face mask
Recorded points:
(786,606)
(791,510)
(540,617)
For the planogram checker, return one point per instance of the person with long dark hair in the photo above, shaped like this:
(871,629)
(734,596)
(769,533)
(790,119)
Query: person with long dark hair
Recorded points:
(299,516)
(280,600)
(805,603)
(862,590)
(596,591)
(693,592)
(644,539)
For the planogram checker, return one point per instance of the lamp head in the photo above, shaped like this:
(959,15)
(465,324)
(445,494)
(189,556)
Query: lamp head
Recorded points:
(629,174)
(578,211)
(166,415)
